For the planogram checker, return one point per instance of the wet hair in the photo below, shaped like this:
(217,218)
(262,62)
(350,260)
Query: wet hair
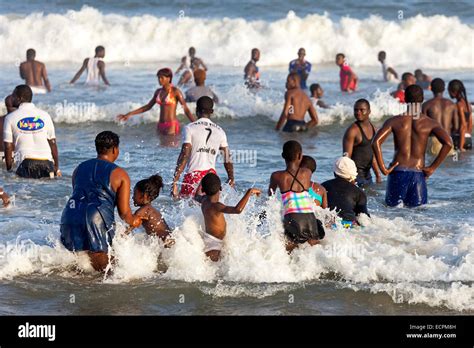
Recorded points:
(314,87)
(150,186)
(308,162)
(166,72)
(205,105)
(407,75)
(458,86)
(199,76)
(414,94)
(24,93)
(438,85)
(291,149)
(99,49)
(30,53)
(106,140)
(340,55)
(362,100)
(211,184)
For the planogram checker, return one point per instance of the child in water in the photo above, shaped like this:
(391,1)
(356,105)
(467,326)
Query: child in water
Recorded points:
(214,211)
(145,192)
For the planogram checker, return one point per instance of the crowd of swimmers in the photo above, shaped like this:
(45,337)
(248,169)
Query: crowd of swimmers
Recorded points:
(437,126)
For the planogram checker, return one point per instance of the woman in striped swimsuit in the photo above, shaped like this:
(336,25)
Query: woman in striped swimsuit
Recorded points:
(299,221)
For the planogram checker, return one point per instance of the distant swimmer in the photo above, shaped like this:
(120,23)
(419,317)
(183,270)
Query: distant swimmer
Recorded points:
(343,194)
(462,137)
(422,79)
(99,185)
(190,65)
(145,192)
(348,79)
(4,197)
(357,144)
(251,70)
(202,142)
(297,103)
(299,222)
(302,67)
(407,172)
(200,90)
(388,73)
(95,67)
(10,109)
(442,110)
(213,211)
(167,97)
(29,132)
(34,73)
(408,79)
(317,93)
(316,191)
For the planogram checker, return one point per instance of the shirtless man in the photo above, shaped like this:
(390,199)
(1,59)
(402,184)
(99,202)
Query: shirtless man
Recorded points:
(357,144)
(213,211)
(442,110)
(251,71)
(407,172)
(195,62)
(34,73)
(297,103)
(95,68)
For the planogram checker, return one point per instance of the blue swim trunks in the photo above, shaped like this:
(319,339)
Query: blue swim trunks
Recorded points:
(407,186)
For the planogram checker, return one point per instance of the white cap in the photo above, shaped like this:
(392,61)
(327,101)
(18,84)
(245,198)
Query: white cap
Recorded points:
(345,168)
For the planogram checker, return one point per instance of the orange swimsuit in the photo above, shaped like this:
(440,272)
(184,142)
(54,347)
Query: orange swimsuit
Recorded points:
(164,127)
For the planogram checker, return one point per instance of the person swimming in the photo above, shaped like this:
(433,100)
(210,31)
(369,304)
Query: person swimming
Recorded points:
(167,97)
(317,93)
(316,191)
(213,211)
(300,223)
(145,192)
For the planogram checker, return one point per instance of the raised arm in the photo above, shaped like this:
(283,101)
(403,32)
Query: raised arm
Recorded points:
(140,110)
(181,100)
(444,138)
(377,142)
(241,205)
(180,164)
(285,112)
(101,66)
(81,70)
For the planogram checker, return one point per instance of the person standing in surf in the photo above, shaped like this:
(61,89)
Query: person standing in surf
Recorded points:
(167,97)
(251,70)
(388,73)
(300,223)
(302,67)
(348,79)
(408,79)
(202,141)
(357,144)
(442,110)
(95,67)
(99,185)
(34,73)
(408,172)
(187,78)
(463,137)
(297,103)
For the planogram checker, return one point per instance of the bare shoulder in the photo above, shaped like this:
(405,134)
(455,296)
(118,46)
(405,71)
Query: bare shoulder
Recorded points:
(119,173)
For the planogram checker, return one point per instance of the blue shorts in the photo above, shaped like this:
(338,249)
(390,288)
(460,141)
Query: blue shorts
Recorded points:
(407,186)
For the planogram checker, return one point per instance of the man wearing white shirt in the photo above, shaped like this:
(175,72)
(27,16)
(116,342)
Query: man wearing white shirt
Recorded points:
(202,141)
(30,131)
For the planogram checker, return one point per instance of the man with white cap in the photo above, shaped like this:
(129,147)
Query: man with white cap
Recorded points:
(344,195)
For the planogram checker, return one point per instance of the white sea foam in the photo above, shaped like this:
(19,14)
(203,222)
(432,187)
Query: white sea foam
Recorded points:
(395,257)
(436,41)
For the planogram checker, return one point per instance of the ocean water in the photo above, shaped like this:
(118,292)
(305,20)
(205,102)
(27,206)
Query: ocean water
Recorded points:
(404,261)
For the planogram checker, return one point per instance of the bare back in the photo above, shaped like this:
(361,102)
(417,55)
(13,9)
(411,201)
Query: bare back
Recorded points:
(411,138)
(299,104)
(32,73)
(442,110)
(153,222)
(214,218)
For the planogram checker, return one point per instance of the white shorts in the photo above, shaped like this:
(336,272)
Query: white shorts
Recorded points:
(211,242)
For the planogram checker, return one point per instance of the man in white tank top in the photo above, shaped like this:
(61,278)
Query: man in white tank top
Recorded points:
(95,68)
